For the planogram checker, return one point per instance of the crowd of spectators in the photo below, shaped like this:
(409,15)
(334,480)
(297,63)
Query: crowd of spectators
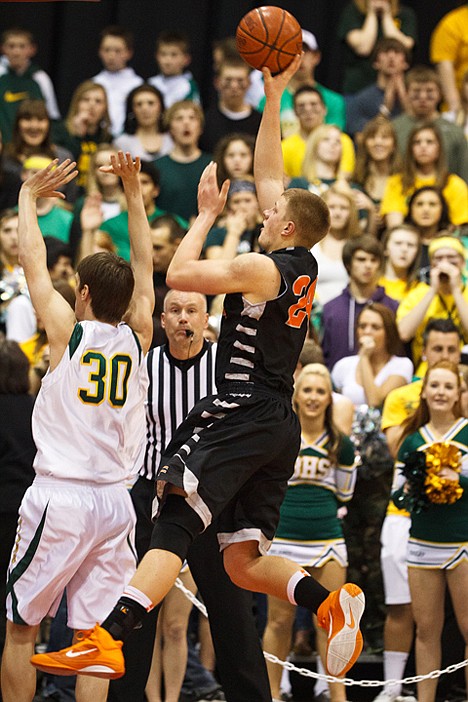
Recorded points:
(389,155)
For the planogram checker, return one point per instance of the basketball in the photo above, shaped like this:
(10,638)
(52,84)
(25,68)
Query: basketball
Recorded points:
(269,36)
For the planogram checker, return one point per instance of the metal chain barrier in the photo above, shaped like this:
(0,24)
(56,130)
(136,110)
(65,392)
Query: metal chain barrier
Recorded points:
(329,678)
(364,683)
(190,596)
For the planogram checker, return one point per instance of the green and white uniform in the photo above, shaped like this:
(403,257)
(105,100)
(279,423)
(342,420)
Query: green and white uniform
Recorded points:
(89,417)
(439,535)
(309,530)
(76,521)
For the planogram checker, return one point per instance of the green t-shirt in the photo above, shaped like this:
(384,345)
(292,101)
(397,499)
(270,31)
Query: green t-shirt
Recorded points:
(117,228)
(56,223)
(14,89)
(179,184)
(440,523)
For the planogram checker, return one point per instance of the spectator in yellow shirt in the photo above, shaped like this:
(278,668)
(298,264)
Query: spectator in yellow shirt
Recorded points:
(449,51)
(424,164)
(446,296)
(402,252)
(310,109)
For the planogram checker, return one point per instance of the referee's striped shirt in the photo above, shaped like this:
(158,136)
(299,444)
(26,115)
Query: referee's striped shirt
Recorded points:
(174,387)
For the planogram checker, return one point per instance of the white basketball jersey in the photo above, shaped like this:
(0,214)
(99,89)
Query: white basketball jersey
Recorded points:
(89,417)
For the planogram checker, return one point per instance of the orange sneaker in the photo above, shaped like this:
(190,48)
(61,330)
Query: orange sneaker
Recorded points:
(95,653)
(340,615)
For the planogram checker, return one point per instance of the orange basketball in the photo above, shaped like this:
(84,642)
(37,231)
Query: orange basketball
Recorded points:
(269,36)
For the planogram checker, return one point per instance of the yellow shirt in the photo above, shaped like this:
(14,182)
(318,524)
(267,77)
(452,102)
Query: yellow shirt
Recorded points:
(400,403)
(442,306)
(449,42)
(31,350)
(397,288)
(455,192)
(294,148)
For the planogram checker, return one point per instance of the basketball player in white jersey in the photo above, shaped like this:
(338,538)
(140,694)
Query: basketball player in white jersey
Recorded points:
(76,520)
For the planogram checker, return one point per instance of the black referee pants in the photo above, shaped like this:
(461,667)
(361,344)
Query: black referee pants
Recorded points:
(239,657)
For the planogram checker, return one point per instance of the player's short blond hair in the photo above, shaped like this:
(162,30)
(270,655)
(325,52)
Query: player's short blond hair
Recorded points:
(309,213)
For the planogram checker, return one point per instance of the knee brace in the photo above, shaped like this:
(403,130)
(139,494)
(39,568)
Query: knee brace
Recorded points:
(176,527)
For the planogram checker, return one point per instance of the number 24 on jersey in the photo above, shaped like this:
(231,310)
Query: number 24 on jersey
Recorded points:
(304,288)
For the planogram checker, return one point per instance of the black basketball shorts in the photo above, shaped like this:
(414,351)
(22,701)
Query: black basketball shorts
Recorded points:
(233,456)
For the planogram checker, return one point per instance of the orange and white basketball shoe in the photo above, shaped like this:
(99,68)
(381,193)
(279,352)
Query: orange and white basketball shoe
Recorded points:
(340,615)
(95,653)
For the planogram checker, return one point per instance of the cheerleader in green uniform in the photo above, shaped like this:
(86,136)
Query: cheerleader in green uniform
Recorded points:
(309,530)
(438,545)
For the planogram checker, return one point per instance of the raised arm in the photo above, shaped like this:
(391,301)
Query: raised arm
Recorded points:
(390,29)
(55,313)
(362,40)
(252,274)
(445,279)
(139,315)
(268,157)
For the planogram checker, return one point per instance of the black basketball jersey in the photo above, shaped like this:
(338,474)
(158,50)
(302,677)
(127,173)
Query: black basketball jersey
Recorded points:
(259,344)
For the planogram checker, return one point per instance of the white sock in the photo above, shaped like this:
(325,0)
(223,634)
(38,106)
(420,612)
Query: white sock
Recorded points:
(293,580)
(320,685)
(138,596)
(285,685)
(394,663)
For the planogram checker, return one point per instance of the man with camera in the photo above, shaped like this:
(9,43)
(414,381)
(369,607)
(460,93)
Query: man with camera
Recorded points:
(445,296)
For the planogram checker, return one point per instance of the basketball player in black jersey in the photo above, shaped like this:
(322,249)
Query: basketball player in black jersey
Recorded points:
(232,457)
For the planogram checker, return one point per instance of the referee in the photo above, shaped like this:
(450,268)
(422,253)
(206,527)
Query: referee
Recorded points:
(180,373)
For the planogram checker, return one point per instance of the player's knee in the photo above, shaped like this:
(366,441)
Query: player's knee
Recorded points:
(176,527)
(235,575)
(237,561)
(21,634)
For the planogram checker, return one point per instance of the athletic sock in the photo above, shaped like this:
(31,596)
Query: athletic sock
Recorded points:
(321,685)
(127,614)
(304,590)
(133,593)
(394,667)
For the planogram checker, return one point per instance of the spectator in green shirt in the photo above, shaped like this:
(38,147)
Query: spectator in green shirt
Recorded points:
(181,168)
(117,227)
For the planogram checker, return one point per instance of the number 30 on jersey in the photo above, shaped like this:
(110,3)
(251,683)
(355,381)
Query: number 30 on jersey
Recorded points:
(108,378)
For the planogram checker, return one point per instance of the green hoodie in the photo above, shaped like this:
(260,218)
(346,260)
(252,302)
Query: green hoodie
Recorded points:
(14,89)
